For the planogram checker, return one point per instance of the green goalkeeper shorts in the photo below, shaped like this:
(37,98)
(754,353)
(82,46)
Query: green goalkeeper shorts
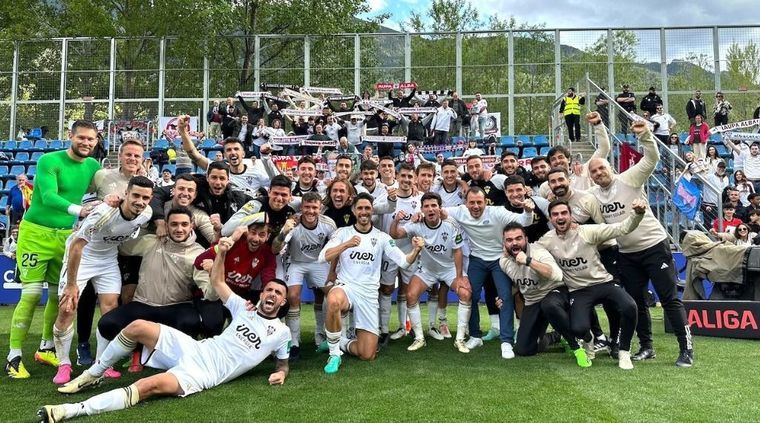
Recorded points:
(39,252)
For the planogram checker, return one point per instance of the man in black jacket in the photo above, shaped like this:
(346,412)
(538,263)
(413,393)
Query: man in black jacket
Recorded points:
(255,111)
(400,100)
(243,130)
(229,114)
(650,102)
(416,129)
(695,106)
(460,108)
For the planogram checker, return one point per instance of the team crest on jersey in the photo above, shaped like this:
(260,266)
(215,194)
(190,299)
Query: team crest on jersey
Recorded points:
(255,262)
(270,330)
(237,260)
(374,241)
(487,189)
(445,236)
(346,218)
(321,236)
(249,180)
(414,204)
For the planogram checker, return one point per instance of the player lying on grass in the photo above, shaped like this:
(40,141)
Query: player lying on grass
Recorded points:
(251,337)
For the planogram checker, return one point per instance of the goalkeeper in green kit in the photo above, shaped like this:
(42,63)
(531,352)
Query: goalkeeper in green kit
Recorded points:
(63,177)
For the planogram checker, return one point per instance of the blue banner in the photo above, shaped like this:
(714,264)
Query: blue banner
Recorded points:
(10,291)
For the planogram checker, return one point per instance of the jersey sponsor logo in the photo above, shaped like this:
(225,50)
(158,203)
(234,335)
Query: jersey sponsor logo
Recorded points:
(358,255)
(434,249)
(573,262)
(346,218)
(116,238)
(236,279)
(487,189)
(526,282)
(611,208)
(308,248)
(245,333)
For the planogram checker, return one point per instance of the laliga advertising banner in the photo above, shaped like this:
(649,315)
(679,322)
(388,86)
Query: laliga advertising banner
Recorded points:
(10,291)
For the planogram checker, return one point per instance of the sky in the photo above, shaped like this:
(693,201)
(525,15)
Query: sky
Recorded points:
(595,14)
(604,14)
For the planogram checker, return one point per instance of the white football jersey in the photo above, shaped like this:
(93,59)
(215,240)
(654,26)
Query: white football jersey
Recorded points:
(251,179)
(380,191)
(360,266)
(448,199)
(104,230)
(410,205)
(440,242)
(247,341)
(304,244)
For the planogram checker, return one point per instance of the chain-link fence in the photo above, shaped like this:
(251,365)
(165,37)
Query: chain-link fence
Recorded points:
(46,83)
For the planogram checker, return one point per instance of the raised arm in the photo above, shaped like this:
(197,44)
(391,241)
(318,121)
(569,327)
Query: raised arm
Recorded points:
(187,144)
(243,217)
(395,231)
(638,174)
(600,132)
(335,248)
(597,234)
(217,271)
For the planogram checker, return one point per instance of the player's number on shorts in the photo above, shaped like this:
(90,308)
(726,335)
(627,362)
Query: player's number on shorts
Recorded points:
(29,260)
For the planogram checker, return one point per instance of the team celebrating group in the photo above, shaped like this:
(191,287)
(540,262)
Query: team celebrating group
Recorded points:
(223,256)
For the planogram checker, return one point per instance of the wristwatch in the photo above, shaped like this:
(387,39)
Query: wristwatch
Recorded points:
(528,261)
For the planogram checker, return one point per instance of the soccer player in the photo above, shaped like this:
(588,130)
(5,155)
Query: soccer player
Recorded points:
(369,182)
(191,366)
(307,181)
(275,205)
(644,254)
(62,179)
(359,250)
(443,245)
(243,177)
(304,237)
(91,255)
(538,277)
(483,225)
(575,248)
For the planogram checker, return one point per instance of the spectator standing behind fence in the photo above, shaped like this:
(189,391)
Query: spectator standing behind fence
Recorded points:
(626,100)
(712,193)
(721,110)
(699,132)
(214,119)
(650,102)
(442,122)
(479,111)
(603,108)
(460,108)
(744,186)
(244,131)
(751,162)
(229,114)
(664,124)
(695,106)
(570,108)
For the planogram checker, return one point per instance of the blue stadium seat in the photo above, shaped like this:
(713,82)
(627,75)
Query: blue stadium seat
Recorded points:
(10,183)
(170,167)
(67,144)
(722,150)
(207,144)
(36,155)
(55,145)
(507,141)
(20,158)
(525,139)
(146,155)
(540,141)
(3,218)
(544,150)
(682,136)
(162,144)
(31,171)
(17,169)
(529,152)
(212,153)
(25,145)
(3,171)
(177,144)
(716,139)
(40,145)
(34,133)
(9,145)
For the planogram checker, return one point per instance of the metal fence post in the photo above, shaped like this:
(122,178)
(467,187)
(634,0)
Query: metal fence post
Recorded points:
(357,63)
(257,62)
(664,70)
(611,78)
(206,82)
(407,57)
(62,93)
(458,70)
(161,75)
(557,64)
(511,83)
(112,81)
(14,89)
(306,61)
(716,56)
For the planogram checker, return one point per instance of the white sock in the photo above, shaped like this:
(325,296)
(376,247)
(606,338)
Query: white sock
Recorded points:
(442,314)
(319,318)
(101,344)
(494,322)
(416,318)
(118,399)
(401,302)
(385,313)
(463,316)
(15,352)
(47,344)
(293,320)
(344,344)
(333,342)
(62,340)
(432,309)
(117,349)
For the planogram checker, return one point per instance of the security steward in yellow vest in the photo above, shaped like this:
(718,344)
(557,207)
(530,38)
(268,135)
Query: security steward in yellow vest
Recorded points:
(570,108)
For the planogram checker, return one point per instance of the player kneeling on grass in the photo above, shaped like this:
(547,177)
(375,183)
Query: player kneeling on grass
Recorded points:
(192,366)
(359,251)
(443,243)
(547,301)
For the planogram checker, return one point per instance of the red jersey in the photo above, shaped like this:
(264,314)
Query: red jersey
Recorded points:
(728,225)
(242,265)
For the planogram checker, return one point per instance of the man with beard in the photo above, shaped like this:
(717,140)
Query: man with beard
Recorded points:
(509,165)
(369,182)
(340,195)
(359,249)
(184,192)
(243,177)
(443,245)
(91,255)
(517,193)
(192,366)
(483,225)
(539,166)
(559,156)
(547,301)
(645,254)
(304,236)
(574,247)
(63,177)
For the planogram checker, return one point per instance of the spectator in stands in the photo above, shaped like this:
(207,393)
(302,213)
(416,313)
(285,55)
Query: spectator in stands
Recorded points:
(243,130)
(318,135)
(650,102)
(367,153)
(479,111)
(460,108)
(750,161)
(214,119)
(712,158)
(21,135)
(602,107)
(744,186)
(570,108)
(626,100)
(442,122)
(229,114)
(99,152)
(743,148)
(675,144)
(729,221)
(754,205)
(472,149)
(756,114)
(166,179)
(699,133)
(4,157)
(255,111)
(416,129)
(741,235)
(754,223)
(344,147)
(218,156)
(151,172)
(331,128)
(354,129)
(300,128)
(432,101)
(733,198)
(712,193)
(19,198)
(400,100)
(183,162)
(663,123)
(695,106)
(721,109)
(9,243)
(274,114)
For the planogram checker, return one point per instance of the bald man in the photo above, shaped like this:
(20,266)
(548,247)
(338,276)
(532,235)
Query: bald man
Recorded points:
(645,252)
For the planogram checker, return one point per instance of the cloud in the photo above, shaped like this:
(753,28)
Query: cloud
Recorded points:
(376,6)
